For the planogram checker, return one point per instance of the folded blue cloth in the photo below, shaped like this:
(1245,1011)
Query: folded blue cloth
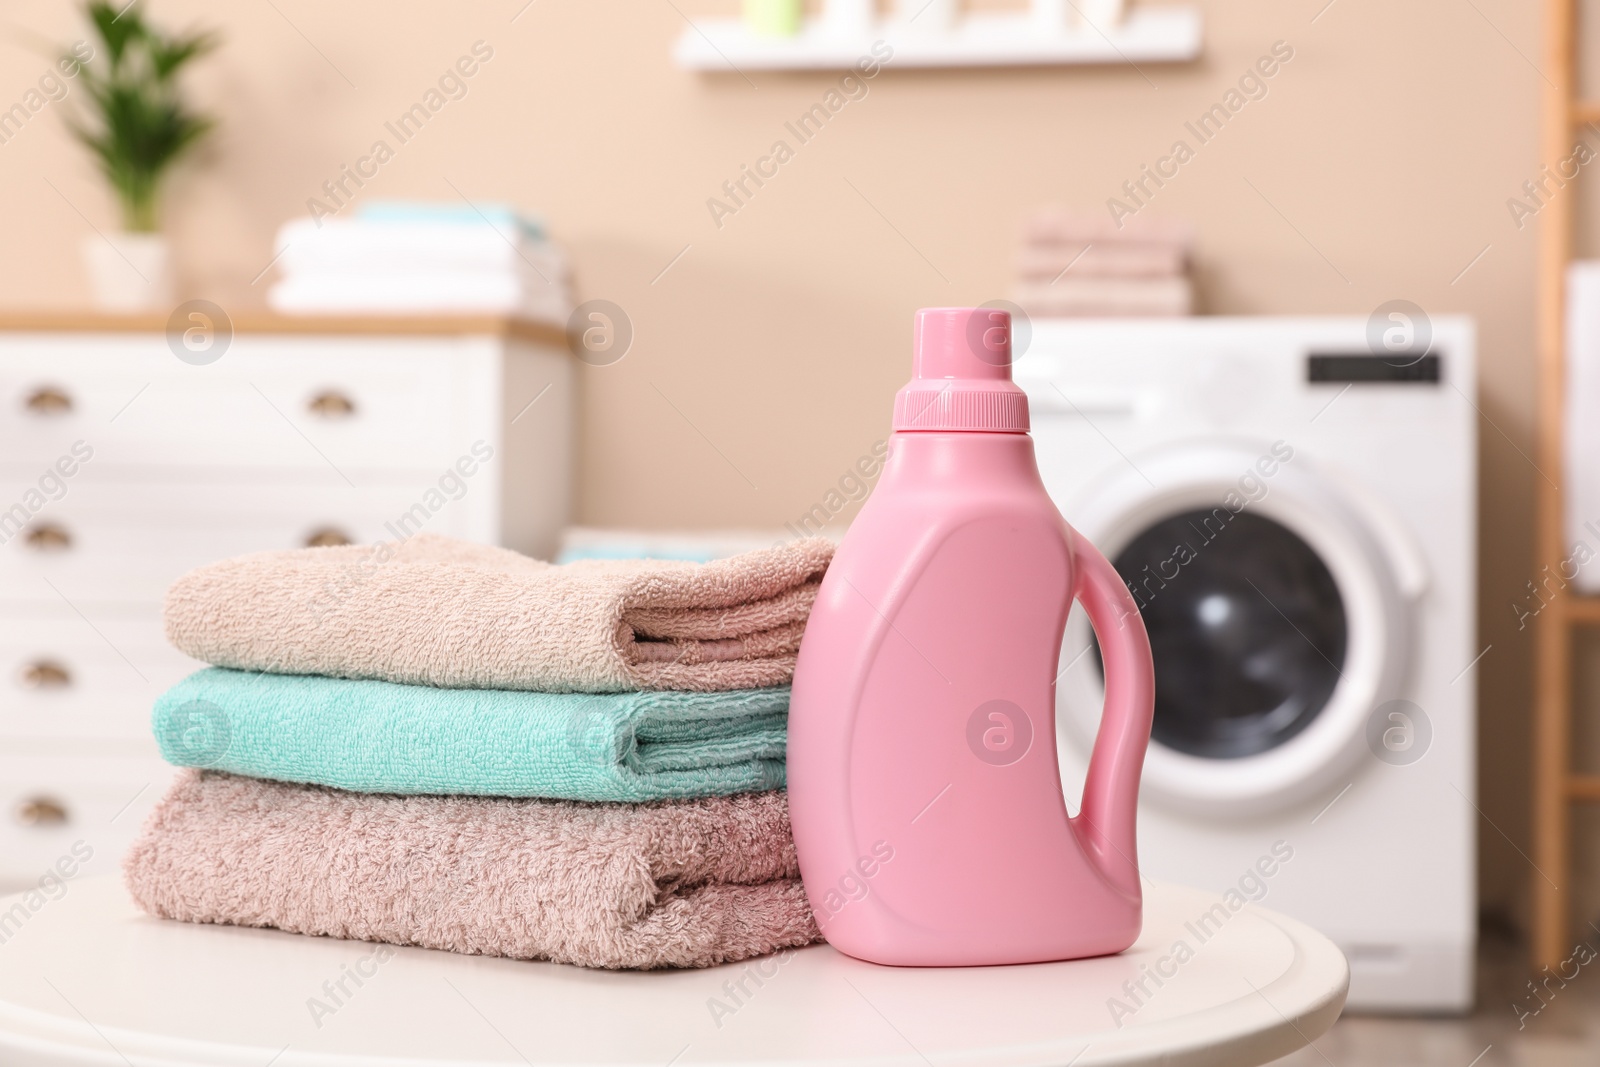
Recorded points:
(502,217)
(574,553)
(382,737)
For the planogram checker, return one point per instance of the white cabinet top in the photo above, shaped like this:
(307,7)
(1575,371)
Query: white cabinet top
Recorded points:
(255,320)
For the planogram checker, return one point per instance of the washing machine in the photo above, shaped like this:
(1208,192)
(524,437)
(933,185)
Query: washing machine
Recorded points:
(1292,503)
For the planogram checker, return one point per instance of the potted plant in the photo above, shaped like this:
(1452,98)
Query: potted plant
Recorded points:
(138,126)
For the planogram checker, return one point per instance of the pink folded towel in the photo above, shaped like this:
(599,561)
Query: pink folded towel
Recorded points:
(436,611)
(669,884)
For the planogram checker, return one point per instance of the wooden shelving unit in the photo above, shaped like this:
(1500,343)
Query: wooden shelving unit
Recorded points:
(1556,786)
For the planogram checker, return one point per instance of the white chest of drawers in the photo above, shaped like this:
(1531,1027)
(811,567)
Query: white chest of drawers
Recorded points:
(122,466)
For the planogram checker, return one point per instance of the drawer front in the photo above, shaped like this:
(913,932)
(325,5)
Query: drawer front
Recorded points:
(78,810)
(351,403)
(124,544)
(68,678)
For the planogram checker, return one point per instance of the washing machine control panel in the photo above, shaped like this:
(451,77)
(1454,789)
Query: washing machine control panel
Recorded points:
(1403,367)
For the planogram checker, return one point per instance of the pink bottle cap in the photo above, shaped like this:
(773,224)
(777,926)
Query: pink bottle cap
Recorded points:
(961,374)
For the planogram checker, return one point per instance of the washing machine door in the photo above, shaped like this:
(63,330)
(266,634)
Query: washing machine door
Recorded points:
(1279,609)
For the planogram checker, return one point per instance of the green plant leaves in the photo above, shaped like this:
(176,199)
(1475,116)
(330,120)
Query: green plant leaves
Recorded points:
(166,56)
(116,29)
(141,125)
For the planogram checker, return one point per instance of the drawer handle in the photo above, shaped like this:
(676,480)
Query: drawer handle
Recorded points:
(327,537)
(48,537)
(332,405)
(41,811)
(48,400)
(44,674)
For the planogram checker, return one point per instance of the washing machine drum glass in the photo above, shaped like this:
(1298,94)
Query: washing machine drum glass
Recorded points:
(1247,628)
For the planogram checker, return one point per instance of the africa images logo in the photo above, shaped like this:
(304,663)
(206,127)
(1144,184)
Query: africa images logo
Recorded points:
(999,732)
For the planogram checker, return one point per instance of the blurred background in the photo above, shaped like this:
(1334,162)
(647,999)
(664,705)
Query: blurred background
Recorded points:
(720,350)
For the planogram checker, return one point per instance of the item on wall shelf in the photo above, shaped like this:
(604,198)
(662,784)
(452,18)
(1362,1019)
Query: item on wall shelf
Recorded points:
(687,883)
(1052,32)
(928,16)
(1582,428)
(927,677)
(1100,13)
(406,258)
(849,18)
(1052,16)
(772,18)
(140,127)
(1055,15)
(1080,265)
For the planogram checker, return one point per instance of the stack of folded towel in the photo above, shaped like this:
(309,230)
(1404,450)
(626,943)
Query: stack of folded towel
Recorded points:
(442,744)
(419,258)
(1080,265)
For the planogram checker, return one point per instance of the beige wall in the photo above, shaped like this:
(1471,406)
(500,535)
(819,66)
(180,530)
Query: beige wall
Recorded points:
(1391,143)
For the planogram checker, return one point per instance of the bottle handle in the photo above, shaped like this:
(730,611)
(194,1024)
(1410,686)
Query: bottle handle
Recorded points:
(1111,788)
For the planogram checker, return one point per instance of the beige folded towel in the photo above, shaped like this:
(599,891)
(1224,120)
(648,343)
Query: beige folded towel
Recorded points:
(1106,297)
(436,611)
(685,883)
(1105,259)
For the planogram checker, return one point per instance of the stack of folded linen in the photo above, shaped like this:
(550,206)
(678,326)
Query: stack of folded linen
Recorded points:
(442,744)
(701,546)
(404,258)
(1078,265)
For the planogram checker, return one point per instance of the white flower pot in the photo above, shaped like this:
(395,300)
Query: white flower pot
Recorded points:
(129,272)
(1053,16)
(929,16)
(1101,14)
(851,19)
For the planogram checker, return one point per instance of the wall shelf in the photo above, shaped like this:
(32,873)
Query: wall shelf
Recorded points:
(1145,35)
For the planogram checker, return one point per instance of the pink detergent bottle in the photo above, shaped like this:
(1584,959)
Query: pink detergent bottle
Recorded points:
(923,787)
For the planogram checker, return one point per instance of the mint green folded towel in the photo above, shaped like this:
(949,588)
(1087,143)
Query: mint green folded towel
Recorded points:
(383,737)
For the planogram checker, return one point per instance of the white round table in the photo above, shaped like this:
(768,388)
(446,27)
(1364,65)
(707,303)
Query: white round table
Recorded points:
(88,979)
